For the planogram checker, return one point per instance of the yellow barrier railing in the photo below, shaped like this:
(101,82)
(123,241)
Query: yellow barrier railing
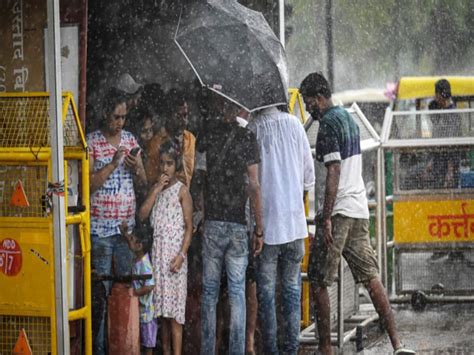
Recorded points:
(27,299)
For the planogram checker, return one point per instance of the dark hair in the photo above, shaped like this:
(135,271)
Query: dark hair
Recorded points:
(443,88)
(111,100)
(171,147)
(315,84)
(142,235)
(145,241)
(173,99)
(147,113)
(153,97)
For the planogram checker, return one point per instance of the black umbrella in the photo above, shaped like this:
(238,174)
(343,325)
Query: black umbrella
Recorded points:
(234,52)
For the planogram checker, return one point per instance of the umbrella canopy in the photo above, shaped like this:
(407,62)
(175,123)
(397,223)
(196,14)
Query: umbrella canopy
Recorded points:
(234,52)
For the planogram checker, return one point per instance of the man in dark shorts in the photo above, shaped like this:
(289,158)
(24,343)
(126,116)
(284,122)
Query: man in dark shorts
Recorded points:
(343,226)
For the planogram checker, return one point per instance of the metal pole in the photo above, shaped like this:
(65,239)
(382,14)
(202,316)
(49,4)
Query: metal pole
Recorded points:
(383,216)
(57,147)
(378,210)
(329,45)
(281,16)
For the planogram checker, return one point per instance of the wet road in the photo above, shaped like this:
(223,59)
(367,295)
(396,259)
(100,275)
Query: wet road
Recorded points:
(443,329)
(439,329)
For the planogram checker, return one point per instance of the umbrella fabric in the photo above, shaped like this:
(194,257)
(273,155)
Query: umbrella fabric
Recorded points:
(234,52)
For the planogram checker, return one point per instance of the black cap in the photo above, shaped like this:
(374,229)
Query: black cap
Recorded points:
(443,88)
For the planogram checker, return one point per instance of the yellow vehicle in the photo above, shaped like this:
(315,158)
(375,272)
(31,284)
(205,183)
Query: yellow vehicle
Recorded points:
(415,92)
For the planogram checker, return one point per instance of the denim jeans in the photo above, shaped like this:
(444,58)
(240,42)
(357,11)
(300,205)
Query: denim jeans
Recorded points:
(104,252)
(281,261)
(224,242)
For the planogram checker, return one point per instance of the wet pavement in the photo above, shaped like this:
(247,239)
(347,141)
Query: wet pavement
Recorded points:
(441,329)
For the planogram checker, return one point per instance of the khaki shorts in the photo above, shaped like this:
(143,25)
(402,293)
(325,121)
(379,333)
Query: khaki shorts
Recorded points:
(351,240)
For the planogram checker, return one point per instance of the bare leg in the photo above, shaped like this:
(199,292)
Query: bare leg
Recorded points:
(165,336)
(252,307)
(177,335)
(382,306)
(323,318)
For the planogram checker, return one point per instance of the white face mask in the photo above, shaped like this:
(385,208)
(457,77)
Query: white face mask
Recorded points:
(242,121)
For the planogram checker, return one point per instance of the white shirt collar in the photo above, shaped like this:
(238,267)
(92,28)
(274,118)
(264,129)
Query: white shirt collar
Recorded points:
(270,110)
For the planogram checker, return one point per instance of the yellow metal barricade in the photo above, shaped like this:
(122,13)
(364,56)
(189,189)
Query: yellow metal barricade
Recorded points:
(295,104)
(433,208)
(27,295)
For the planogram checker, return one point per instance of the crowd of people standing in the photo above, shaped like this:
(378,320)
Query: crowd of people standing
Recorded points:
(241,188)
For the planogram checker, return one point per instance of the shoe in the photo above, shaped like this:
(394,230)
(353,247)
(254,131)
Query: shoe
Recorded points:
(404,351)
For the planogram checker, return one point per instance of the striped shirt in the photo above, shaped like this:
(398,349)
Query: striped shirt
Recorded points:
(339,141)
(114,201)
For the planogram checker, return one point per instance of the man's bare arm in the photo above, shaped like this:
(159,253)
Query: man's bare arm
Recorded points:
(332,183)
(256,205)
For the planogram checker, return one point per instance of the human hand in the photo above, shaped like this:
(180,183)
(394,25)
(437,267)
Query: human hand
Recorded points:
(201,229)
(123,228)
(118,156)
(131,162)
(176,263)
(257,245)
(327,232)
(162,182)
(124,231)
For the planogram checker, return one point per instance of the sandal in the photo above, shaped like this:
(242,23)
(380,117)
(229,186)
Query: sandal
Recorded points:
(403,351)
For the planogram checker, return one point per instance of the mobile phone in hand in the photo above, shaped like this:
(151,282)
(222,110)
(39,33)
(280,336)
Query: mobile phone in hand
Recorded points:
(135,151)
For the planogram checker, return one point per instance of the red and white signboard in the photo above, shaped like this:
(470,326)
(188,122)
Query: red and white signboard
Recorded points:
(10,257)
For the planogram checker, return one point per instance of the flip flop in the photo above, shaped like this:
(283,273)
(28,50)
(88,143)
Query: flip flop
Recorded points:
(404,351)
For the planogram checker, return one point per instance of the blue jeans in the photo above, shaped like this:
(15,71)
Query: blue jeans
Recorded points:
(224,242)
(283,261)
(104,252)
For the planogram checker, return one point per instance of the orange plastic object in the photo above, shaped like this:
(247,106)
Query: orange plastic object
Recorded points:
(19,198)
(22,346)
(123,321)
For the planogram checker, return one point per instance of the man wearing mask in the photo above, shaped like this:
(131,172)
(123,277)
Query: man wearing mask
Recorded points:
(342,227)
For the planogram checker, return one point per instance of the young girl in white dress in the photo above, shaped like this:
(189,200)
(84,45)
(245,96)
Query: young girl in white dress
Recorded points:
(169,206)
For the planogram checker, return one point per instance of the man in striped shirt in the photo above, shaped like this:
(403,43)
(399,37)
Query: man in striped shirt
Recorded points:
(343,226)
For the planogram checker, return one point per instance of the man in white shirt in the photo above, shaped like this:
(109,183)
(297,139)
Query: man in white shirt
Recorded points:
(286,172)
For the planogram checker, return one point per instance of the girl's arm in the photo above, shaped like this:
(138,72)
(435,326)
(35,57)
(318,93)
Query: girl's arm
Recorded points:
(143,290)
(187,206)
(146,206)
